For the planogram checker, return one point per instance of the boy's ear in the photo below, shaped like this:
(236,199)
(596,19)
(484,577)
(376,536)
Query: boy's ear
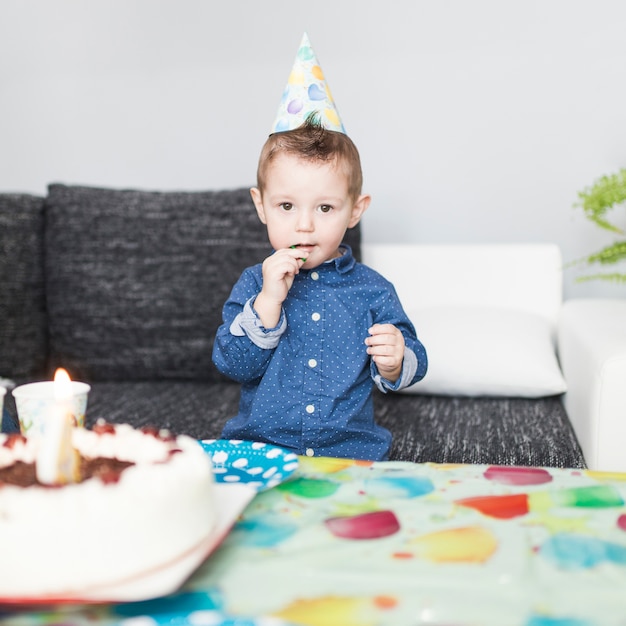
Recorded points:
(258,203)
(359,207)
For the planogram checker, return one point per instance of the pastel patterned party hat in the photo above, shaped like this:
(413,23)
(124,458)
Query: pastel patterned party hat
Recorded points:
(306,92)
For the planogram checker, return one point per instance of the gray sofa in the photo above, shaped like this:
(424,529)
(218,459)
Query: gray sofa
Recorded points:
(124,289)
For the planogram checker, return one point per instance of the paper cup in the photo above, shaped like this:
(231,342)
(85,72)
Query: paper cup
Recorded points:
(35,400)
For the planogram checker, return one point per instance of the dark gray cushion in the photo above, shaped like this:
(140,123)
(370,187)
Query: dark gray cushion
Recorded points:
(137,280)
(23,340)
(457,429)
(197,409)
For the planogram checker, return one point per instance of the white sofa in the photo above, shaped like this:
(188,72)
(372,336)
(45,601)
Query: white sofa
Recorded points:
(491,316)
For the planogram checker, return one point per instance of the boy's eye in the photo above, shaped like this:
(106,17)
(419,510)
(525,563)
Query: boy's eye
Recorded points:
(286,206)
(325,208)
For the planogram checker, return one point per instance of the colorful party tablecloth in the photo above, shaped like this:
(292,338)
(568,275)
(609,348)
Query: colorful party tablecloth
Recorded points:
(348,543)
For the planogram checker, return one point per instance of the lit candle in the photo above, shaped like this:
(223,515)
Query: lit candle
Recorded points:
(57,460)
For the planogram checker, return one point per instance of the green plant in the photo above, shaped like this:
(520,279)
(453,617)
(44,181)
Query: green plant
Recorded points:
(606,193)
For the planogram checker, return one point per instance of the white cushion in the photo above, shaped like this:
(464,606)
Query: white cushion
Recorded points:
(480,351)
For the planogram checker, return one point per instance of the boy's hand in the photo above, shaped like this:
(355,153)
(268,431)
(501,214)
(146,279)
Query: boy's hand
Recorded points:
(386,347)
(279,270)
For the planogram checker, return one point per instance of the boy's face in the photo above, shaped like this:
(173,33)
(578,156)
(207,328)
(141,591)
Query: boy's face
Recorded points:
(306,204)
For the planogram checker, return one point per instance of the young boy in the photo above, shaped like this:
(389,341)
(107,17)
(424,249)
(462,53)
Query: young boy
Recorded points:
(310,330)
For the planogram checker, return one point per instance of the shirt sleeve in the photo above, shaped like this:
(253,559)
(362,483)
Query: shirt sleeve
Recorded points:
(248,323)
(415,361)
(243,347)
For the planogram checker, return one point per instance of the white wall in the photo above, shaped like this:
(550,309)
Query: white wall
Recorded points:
(477,120)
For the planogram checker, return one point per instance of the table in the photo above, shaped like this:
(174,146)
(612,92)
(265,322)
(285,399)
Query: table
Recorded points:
(348,543)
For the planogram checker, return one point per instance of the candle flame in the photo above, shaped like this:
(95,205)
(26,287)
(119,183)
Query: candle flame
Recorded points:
(62,385)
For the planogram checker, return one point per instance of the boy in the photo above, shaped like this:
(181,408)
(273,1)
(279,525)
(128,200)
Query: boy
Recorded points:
(310,331)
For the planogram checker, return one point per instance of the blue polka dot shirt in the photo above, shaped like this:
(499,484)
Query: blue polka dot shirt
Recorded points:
(307,384)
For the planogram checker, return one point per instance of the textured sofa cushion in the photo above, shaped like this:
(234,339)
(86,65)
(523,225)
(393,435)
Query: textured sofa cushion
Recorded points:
(23,341)
(479,430)
(136,280)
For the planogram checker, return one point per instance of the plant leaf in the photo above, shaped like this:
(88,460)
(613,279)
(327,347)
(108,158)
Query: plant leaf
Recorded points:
(615,277)
(605,193)
(610,254)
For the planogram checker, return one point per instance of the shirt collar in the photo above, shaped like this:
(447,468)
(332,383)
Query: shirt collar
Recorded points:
(341,264)
(346,261)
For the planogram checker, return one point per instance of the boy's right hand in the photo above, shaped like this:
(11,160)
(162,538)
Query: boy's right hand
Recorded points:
(279,271)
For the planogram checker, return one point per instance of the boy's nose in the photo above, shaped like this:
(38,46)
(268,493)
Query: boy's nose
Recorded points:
(305,221)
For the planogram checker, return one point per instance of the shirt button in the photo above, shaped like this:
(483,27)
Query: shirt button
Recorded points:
(310,452)
(312,362)
(310,408)
(314,275)
(316,317)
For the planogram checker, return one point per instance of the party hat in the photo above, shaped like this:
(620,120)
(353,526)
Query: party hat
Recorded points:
(306,92)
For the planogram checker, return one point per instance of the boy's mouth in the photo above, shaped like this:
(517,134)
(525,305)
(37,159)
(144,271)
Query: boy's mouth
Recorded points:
(305,247)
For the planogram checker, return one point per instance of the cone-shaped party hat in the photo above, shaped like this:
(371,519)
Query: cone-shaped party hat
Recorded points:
(306,92)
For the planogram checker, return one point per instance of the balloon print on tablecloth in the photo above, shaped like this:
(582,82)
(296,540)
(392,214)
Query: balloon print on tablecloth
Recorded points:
(310,487)
(569,551)
(470,544)
(263,531)
(371,525)
(398,486)
(512,475)
(514,505)
(337,610)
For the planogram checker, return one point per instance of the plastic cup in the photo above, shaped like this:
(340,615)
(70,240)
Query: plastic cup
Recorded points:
(35,400)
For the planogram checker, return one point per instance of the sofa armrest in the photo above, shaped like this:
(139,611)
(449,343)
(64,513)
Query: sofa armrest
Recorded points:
(592,349)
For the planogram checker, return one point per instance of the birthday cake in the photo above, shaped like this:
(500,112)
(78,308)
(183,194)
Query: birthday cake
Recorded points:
(143,500)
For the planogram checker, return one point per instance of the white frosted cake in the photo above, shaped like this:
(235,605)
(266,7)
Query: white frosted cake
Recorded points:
(144,501)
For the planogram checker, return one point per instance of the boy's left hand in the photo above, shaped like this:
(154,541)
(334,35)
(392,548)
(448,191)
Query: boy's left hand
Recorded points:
(386,347)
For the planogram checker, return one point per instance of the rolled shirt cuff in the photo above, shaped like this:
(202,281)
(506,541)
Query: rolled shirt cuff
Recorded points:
(247,323)
(409,367)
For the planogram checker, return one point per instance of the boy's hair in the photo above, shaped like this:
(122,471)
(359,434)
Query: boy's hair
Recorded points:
(312,142)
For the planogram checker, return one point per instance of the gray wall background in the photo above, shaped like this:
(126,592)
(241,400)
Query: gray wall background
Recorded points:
(477,120)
